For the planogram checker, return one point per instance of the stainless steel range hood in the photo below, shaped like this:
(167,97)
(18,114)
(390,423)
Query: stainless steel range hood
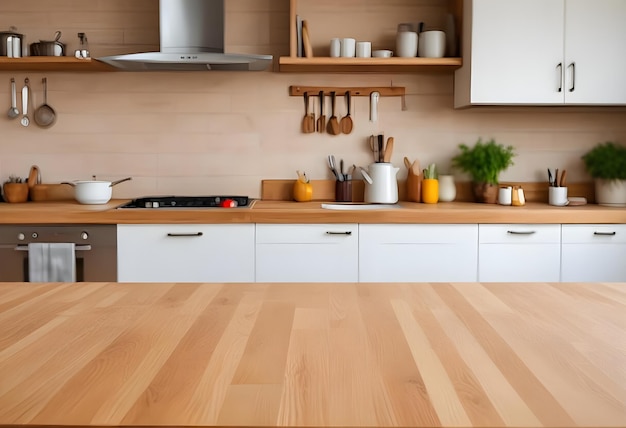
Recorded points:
(192,38)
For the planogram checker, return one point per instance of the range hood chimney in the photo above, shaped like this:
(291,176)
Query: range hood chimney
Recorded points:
(192,38)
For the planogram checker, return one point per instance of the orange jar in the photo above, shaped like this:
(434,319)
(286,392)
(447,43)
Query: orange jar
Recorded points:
(302,191)
(430,191)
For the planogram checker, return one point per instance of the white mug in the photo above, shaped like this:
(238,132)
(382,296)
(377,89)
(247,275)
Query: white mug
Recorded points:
(505,195)
(335,47)
(557,196)
(432,44)
(363,49)
(382,53)
(406,44)
(348,47)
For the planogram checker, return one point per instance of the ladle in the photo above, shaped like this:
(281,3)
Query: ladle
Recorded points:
(45,115)
(13,111)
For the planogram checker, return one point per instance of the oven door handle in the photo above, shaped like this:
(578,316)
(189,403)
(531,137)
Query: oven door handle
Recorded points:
(77,248)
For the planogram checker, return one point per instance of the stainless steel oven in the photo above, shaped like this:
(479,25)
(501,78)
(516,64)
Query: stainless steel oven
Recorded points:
(95,250)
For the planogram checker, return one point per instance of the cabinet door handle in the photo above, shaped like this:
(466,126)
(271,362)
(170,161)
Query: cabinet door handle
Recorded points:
(347,233)
(76,248)
(573,67)
(605,233)
(525,232)
(559,67)
(178,235)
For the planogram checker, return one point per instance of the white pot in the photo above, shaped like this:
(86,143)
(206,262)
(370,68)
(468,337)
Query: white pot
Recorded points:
(610,192)
(92,192)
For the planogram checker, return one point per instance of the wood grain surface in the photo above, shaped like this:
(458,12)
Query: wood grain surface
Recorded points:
(393,355)
(277,212)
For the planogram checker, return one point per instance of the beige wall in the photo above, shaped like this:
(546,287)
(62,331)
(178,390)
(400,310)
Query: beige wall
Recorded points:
(218,132)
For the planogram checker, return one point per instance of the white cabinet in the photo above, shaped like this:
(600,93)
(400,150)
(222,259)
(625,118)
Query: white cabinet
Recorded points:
(519,252)
(542,52)
(593,253)
(185,253)
(418,252)
(307,253)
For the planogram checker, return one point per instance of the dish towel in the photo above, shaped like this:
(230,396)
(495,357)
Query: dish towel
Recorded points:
(51,262)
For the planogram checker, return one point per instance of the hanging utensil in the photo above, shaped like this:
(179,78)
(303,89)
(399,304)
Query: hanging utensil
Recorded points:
(13,111)
(307,126)
(374,97)
(45,116)
(25,120)
(333,123)
(346,121)
(321,120)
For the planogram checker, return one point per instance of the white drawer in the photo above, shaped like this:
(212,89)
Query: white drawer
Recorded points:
(519,233)
(304,233)
(418,233)
(594,233)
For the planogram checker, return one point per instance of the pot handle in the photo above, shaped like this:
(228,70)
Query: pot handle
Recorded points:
(120,181)
(67,182)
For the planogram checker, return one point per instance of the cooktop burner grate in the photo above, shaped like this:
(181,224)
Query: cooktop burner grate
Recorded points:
(188,202)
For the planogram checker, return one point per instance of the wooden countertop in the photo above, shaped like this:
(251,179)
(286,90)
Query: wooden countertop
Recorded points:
(308,212)
(321,355)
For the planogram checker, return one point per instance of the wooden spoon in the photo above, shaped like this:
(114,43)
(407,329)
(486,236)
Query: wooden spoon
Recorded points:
(388,150)
(307,126)
(333,124)
(346,121)
(321,120)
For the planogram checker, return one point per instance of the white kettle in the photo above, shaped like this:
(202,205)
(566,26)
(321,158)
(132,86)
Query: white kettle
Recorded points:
(381,185)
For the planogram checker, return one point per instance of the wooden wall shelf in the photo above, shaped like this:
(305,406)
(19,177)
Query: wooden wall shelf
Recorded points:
(53,63)
(368,65)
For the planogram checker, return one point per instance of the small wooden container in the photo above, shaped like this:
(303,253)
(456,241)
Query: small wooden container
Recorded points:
(15,192)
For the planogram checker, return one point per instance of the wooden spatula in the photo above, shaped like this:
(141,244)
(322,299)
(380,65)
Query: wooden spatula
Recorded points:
(308,122)
(388,150)
(321,120)
(333,122)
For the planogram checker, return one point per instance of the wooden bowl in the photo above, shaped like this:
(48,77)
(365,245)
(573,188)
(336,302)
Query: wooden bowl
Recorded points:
(15,192)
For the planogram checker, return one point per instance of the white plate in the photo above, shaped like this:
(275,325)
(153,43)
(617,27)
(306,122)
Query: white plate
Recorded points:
(354,207)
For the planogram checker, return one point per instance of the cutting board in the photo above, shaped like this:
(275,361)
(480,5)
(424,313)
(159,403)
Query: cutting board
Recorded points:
(51,192)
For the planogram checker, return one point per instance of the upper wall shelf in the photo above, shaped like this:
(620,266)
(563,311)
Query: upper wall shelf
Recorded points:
(367,65)
(52,63)
(371,20)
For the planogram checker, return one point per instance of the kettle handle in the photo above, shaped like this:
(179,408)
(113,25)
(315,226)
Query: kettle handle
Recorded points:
(366,176)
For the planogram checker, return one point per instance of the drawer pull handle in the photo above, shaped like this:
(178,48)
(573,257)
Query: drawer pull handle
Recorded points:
(515,232)
(347,233)
(605,233)
(76,248)
(178,235)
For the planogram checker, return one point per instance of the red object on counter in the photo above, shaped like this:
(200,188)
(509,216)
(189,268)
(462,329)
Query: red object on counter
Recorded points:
(228,203)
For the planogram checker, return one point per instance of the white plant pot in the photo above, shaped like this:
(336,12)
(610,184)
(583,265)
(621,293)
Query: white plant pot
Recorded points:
(610,192)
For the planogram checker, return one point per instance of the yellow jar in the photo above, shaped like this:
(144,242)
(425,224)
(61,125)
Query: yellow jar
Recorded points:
(302,191)
(430,191)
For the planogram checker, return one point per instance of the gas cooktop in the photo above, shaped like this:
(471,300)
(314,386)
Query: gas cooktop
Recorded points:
(188,202)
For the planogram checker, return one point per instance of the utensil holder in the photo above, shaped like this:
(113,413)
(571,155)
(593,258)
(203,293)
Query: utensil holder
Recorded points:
(343,191)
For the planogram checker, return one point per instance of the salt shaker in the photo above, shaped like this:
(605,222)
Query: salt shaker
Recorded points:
(83,48)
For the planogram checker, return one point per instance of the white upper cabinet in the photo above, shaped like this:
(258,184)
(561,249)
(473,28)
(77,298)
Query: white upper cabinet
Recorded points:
(542,52)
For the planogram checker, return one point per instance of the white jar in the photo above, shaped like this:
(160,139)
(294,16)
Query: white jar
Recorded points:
(447,188)
(406,41)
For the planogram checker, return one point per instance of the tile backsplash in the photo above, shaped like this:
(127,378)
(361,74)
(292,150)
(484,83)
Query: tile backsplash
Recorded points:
(223,132)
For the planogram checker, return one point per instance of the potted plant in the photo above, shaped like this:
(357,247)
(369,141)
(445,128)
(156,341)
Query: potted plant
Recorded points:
(484,162)
(606,163)
(15,190)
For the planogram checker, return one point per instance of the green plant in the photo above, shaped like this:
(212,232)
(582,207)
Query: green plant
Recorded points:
(431,172)
(484,161)
(13,179)
(607,161)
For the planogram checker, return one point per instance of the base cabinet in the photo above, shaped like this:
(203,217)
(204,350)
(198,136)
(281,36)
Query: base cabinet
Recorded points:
(418,253)
(307,253)
(519,252)
(185,253)
(593,253)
